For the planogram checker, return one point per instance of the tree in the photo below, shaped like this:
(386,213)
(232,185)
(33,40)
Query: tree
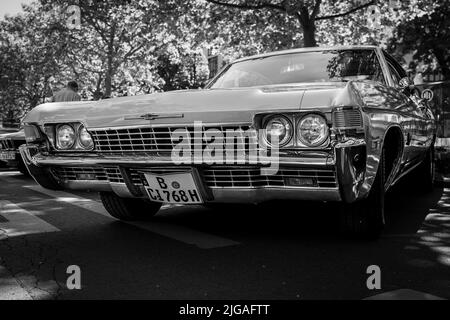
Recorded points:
(121,45)
(427,36)
(32,51)
(305,12)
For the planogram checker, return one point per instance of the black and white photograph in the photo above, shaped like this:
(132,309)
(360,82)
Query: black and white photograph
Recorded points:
(224,156)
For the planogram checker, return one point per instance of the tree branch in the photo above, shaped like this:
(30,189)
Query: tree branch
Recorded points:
(316,9)
(343,14)
(247,6)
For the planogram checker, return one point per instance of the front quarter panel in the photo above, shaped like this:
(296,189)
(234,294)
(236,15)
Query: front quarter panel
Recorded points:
(383,110)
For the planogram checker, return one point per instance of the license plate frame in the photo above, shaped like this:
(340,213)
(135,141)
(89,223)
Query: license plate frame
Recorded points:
(173,188)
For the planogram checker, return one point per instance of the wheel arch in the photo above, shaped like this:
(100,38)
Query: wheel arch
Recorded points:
(393,146)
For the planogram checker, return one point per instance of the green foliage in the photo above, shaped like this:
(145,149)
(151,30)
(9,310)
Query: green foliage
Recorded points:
(32,51)
(426,35)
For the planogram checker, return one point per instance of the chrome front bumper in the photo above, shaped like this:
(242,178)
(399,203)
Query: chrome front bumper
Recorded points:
(349,175)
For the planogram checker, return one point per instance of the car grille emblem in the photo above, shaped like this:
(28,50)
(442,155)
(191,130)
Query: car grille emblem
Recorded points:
(154,116)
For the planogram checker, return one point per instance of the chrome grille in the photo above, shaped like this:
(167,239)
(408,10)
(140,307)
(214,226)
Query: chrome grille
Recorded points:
(235,177)
(107,174)
(347,119)
(114,175)
(77,173)
(158,139)
(213,176)
(246,177)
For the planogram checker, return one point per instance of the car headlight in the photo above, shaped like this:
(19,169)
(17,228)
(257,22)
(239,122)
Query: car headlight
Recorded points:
(312,130)
(278,128)
(85,138)
(65,137)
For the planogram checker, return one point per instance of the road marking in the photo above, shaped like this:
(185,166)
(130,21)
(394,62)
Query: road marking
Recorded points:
(176,232)
(10,287)
(69,198)
(20,222)
(186,235)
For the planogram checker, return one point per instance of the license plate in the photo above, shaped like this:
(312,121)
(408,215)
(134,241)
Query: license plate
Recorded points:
(7,155)
(173,188)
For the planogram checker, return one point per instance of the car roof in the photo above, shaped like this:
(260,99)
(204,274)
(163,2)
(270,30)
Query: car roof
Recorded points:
(309,49)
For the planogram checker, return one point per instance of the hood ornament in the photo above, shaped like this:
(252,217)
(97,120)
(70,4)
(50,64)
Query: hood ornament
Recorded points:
(154,116)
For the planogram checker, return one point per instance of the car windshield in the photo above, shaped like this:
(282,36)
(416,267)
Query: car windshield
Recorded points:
(316,66)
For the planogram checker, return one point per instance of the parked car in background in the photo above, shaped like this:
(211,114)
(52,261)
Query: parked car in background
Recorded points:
(5,129)
(9,150)
(348,122)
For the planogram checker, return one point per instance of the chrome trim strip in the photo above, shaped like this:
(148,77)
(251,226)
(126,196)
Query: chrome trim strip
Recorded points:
(160,161)
(159,125)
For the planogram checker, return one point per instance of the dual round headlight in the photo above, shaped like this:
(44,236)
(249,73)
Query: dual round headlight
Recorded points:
(85,138)
(311,130)
(67,137)
(279,130)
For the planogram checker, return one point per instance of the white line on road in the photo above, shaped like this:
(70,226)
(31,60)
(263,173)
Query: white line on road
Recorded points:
(176,232)
(20,222)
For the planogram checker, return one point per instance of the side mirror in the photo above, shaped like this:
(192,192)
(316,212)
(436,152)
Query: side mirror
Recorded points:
(405,83)
(407,86)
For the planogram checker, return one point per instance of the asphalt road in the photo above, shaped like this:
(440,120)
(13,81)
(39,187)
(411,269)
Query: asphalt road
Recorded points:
(283,251)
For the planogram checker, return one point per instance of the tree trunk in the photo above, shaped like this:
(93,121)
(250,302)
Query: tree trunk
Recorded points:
(108,76)
(309,28)
(109,69)
(309,35)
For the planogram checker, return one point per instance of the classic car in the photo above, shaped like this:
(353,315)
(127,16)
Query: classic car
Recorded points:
(9,150)
(340,124)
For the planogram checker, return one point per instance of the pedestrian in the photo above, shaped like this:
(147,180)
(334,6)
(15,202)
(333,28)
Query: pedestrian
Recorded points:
(69,93)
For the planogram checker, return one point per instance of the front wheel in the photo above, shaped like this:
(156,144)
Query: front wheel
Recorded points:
(129,209)
(365,218)
(22,167)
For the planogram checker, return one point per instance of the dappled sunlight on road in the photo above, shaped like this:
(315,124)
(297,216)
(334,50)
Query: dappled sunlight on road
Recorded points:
(436,230)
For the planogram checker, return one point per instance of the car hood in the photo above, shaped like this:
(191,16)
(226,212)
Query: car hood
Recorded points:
(208,106)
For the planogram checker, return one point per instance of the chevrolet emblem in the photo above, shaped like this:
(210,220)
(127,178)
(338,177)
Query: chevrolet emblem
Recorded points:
(154,116)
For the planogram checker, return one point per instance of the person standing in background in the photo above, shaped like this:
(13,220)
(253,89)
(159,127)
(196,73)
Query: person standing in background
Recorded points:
(69,93)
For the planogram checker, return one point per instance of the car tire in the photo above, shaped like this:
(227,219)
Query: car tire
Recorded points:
(22,167)
(46,181)
(129,209)
(364,219)
(425,172)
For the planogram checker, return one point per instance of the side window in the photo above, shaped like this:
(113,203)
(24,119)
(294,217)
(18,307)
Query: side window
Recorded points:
(394,74)
(396,70)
